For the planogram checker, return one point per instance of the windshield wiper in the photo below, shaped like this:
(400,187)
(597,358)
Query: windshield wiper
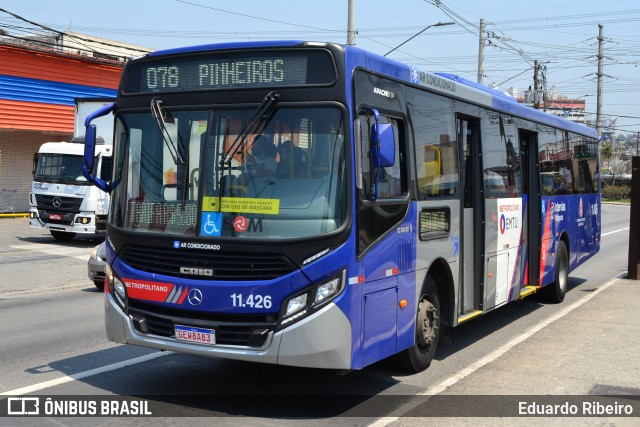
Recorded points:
(255,125)
(161,119)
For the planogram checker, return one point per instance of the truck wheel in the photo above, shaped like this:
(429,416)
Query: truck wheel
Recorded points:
(418,357)
(62,236)
(555,292)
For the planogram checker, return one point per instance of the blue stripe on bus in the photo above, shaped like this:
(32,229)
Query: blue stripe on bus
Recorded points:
(49,92)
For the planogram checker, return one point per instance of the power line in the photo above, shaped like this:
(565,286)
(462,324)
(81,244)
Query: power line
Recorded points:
(73,37)
(259,18)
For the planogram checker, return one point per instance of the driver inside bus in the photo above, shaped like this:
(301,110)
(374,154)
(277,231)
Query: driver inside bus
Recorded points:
(262,160)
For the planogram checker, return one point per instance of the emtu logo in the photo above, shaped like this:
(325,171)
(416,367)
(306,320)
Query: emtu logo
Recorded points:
(240,224)
(503,224)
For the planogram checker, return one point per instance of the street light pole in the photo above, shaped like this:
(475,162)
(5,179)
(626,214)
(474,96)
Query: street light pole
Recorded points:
(351,23)
(439,24)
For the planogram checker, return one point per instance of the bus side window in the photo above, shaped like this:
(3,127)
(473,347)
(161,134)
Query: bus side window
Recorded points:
(436,145)
(500,157)
(428,183)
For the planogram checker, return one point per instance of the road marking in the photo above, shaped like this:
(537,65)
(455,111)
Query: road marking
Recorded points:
(494,355)
(75,377)
(616,231)
(78,253)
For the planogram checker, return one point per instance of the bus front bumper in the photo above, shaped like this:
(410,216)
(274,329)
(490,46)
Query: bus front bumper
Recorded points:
(322,340)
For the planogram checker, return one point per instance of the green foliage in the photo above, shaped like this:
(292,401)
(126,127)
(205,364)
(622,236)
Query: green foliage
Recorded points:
(616,192)
(606,151)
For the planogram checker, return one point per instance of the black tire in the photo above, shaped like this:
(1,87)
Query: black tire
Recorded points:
(418,357)
(99,284)
(62,236)
(555,292)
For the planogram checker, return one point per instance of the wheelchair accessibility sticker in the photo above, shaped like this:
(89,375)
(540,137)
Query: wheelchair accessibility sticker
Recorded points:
(211,224)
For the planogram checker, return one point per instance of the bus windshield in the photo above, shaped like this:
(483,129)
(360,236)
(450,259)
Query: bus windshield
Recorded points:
(286,179)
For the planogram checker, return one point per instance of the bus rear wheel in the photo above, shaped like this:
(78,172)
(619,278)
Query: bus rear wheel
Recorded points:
(418,357)
(555,292)
(62,235)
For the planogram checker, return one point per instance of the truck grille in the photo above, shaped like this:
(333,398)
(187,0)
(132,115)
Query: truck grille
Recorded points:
(58,203)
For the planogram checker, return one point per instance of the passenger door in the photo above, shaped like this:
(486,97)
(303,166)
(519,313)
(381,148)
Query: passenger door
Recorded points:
(503,209)
(384,239)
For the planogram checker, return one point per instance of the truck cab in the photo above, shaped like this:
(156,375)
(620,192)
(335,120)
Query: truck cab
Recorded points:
(61,199)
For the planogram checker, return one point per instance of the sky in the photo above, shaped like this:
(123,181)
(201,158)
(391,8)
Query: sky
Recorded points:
(561,35)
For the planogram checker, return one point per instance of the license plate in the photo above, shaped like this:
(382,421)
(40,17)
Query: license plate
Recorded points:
(195,335)
(55,217)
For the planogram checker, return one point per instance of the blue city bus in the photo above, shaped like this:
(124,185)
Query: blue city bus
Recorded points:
(317,205)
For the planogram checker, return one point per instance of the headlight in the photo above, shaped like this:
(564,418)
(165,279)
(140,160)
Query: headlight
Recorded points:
(94,252)
(309,300)
(120,289)
(327,290)
(116,287)
(296,304)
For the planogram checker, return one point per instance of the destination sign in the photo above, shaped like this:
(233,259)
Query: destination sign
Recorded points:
(228,71)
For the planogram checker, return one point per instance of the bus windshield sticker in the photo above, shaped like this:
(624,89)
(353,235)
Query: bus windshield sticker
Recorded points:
(211,224)
(241,205)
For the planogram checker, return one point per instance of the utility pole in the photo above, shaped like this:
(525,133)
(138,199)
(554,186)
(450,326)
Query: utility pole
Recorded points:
(536,99)
(351,24)
(599,76)
(539,85)
(481,52)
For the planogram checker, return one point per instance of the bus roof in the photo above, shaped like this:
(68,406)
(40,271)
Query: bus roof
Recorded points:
(461,88)
(443,83)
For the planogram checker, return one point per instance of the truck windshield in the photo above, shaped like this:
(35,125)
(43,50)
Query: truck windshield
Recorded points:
(63,168)
(287,180)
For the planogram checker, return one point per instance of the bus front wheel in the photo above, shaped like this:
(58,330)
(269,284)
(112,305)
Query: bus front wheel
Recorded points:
(418,357)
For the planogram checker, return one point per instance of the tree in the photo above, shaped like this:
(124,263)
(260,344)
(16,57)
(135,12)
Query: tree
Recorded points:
(606,153)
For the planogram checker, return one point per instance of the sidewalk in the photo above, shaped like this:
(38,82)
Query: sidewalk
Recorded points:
(593,349)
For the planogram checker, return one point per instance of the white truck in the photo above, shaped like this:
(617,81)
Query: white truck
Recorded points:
(61,199)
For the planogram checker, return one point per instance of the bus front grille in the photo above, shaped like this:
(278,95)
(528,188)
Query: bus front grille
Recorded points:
(205,264)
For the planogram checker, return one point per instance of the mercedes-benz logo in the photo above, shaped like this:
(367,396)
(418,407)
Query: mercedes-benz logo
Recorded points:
(57,202)
(194,296)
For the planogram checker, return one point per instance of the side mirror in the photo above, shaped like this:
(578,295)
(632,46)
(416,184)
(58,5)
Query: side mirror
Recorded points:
(383,144)
(384,150)
(90,148)
(383,147)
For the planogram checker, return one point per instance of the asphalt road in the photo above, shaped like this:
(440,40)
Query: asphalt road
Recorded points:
(52,343)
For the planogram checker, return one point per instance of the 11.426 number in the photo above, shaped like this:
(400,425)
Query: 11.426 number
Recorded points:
(253,301)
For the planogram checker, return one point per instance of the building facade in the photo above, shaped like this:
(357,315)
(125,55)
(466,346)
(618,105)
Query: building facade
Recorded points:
(39,82)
